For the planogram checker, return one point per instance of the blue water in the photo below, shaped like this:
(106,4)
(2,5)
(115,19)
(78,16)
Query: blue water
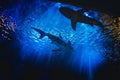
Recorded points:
(88,41)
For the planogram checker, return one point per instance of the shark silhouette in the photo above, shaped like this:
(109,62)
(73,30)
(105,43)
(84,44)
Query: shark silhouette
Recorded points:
(77,16)
(62,45)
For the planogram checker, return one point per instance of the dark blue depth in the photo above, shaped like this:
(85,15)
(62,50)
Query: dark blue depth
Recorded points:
(88,41)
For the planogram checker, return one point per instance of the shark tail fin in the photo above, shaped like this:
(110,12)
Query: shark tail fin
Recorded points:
(42,34)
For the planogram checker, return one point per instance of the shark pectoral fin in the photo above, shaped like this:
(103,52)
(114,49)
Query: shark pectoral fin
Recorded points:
(73,22)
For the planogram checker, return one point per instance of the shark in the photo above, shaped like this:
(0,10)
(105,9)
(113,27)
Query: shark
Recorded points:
(78,16)
(61,44)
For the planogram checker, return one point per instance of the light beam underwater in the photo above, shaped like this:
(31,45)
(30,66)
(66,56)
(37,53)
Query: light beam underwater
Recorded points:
(87,40)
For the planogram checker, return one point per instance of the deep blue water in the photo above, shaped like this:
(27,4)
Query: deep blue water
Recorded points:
(88,41)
